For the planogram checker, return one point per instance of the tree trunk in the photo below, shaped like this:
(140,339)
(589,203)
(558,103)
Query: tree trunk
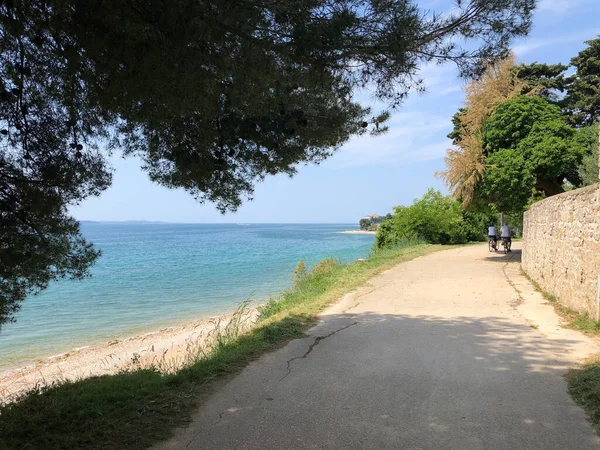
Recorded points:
(549,187)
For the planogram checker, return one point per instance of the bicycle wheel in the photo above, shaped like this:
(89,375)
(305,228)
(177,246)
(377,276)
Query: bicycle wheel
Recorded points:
(490,245)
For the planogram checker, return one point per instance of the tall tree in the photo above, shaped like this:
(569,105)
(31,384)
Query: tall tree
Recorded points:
(583,89)
(547,80)
(589,169)
(466,161)
(528,146)
(583,104)
(213,96)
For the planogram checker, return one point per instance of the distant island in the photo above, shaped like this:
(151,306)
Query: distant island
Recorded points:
(372,221)
(368,224)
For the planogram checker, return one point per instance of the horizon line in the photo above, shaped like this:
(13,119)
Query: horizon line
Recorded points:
(212,223)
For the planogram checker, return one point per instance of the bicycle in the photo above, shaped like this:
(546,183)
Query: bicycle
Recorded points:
(506,244)
(492,245)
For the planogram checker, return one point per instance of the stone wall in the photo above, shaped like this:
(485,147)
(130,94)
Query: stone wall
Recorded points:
(561,246)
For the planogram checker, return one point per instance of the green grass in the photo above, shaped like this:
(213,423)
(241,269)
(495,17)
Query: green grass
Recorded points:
(584,380)
(573,319)
(584,387)
(137,408)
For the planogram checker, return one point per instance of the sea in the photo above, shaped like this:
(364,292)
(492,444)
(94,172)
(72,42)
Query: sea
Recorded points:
(154,275)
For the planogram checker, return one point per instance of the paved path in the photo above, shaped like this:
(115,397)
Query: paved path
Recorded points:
(438,353)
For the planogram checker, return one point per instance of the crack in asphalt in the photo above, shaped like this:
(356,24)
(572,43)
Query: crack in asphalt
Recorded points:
(289,370)
(316,342)
(520,300)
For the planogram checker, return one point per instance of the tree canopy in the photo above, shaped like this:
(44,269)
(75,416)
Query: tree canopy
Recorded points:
(466,162)
(583,89)
(529,141)
(528,145)
(587,137)
(213,96)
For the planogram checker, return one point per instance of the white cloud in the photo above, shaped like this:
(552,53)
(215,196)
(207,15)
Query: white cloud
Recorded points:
(407,142)
(439,81)
(535,44)
(560,6)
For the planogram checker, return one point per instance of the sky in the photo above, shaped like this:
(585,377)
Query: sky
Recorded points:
(368,175)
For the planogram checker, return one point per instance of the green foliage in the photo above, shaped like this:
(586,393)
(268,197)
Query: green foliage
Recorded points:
(457,126)
(514,119)
(324,267)
(508,182)
(372,223)
(515,221)
(588,138)
(544,79)
(435,219)
(364,224)
(583,91)
(299,272)
(475,225)
(550,156)
(552,152)
(584,387)
(529,148)
(212,96)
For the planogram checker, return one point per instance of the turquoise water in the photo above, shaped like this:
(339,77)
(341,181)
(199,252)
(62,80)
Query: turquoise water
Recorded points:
(153,275)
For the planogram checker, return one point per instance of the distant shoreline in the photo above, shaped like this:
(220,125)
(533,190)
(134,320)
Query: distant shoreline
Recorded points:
(357,232)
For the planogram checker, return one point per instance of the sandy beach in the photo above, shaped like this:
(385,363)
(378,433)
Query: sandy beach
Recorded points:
(167,349)
(358,232)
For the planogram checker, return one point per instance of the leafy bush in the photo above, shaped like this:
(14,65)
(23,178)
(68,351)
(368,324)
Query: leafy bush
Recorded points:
(588,169)
(324,267)
(364,224)
(435,219)
(299,272)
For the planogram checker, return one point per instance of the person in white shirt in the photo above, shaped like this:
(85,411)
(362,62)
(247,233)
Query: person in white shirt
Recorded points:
(506,235)
(492,233)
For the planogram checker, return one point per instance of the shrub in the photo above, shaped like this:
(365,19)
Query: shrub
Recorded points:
(324,267)
(364,224)
(435,219)
(299,272)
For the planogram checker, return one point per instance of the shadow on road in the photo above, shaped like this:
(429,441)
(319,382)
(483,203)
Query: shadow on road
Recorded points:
(372,380)
(500,256)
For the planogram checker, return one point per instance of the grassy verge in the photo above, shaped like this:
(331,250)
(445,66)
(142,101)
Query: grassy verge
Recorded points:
(584,380)
(572,319)
(137,408)
(584,387)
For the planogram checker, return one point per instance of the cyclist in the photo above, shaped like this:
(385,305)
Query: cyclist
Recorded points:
(492,235)
(505,235)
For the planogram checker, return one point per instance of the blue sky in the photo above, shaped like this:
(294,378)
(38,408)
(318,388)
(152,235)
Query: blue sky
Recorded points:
(368,175)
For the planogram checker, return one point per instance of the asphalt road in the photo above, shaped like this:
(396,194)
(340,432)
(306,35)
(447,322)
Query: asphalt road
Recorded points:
(434,354)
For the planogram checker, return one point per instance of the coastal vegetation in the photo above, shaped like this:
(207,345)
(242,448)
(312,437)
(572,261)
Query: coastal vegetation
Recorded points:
(370,223)
(434,218)
(526,132)
(140,406)
(584,387)
(211,96)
